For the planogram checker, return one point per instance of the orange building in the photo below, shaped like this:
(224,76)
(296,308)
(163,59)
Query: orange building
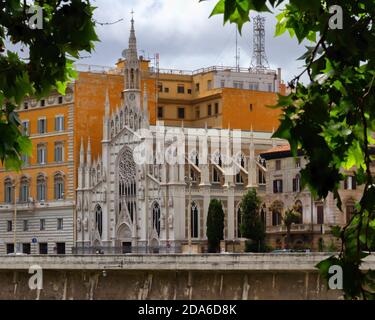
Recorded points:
(37,205)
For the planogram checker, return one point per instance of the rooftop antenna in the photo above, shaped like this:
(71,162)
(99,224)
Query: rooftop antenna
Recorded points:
(259,60)
(238,53)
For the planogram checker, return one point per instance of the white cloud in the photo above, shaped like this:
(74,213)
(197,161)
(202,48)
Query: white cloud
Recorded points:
(185,37)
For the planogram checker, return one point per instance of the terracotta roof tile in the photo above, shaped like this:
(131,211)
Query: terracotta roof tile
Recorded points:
(284,148)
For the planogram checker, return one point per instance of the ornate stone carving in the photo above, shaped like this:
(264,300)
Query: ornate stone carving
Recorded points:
(141,193)
(127,167)
(86,223)
(170,202)
(51,99)
(33,103)
(86,204)
(79,224)
(162,221)
(170,221)
(69,97)
(104,195)
(79,204)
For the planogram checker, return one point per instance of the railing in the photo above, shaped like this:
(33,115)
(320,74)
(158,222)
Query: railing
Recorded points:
(113,70)
(212,69)
(299,228)
(233,69)
(126,250)
(171,71)
(97,69)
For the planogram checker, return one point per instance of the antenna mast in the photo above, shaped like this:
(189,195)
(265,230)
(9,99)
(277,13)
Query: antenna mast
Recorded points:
(259,60)
(237,53)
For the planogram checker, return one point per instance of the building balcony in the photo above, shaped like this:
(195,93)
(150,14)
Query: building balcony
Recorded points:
(299,228)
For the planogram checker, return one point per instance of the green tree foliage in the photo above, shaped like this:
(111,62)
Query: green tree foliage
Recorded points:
(252,227)
(215,225)
(332,118)
(67,28)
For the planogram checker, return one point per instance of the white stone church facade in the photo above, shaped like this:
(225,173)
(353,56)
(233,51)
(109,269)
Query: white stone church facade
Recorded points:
(131,205)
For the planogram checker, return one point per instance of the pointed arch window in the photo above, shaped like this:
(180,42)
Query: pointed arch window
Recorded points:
(126,116)
(99,219)
(194,216)
(98,173)
(135,122)
(239,222)
(127,187)
(241,162)
(121,119)
(156,218)
(131,119)
(132,78)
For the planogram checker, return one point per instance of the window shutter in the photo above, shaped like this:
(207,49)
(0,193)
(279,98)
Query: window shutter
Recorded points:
(281,186)
(275,186)
(354,183)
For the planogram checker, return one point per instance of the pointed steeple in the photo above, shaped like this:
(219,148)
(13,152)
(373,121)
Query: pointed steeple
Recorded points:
(82,154)
(132,69)
(131,53)
(107,104)
(89,152)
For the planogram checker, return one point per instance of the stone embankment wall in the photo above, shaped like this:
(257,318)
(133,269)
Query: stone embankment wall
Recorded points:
(225,276)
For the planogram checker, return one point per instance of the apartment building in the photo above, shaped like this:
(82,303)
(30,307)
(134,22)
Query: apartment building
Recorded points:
(284,191)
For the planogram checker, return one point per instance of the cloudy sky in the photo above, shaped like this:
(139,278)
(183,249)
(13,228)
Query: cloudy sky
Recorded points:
(186,39)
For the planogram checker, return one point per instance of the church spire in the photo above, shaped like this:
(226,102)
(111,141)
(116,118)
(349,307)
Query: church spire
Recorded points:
(82,154)
(107,106)
(88,157)
(132,67)
(132,54)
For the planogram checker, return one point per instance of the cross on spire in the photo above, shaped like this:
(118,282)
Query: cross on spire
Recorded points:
(132,13)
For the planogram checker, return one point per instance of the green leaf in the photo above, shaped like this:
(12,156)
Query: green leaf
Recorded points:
(219,8)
